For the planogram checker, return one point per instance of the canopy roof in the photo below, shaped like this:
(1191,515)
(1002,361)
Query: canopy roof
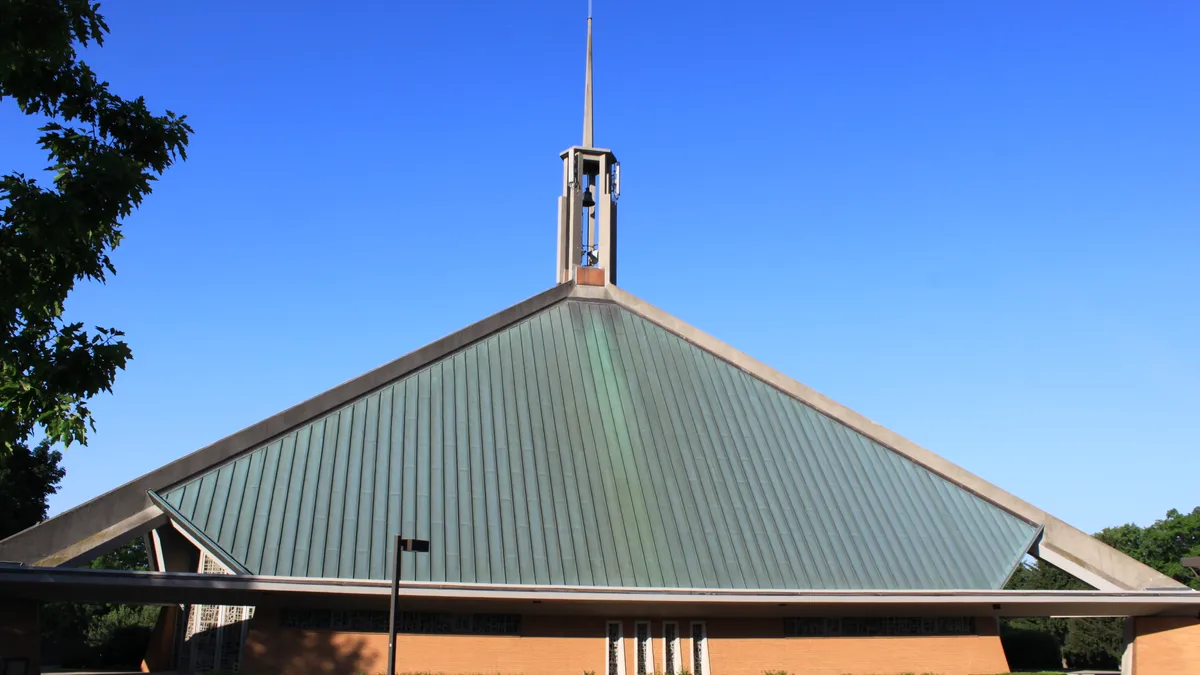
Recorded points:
(89,585)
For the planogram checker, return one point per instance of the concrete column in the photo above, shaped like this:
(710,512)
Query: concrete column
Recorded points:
(604,206)
(161,649)
(574,234)
(562,269)
(1127,646)
(20,636)
(610,267)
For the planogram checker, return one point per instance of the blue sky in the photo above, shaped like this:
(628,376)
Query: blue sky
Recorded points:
(975,223)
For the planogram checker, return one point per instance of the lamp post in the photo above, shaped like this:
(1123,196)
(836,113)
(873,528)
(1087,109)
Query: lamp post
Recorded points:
(400,545)
(1192,563)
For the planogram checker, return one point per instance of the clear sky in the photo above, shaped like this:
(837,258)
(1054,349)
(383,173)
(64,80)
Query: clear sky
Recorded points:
(976,223)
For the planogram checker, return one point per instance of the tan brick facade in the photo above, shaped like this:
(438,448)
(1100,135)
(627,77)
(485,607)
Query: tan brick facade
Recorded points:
(1166,646)
(755,646)
(555,645)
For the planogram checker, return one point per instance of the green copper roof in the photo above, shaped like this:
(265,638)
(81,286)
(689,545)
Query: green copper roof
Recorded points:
(588,446)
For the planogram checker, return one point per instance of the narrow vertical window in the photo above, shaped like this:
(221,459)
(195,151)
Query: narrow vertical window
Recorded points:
(645,649)
(699,649)
(615,656)
(670,648)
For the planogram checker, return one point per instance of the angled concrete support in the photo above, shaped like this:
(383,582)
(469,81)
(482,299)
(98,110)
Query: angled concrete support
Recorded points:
(1127,636)
(1094,562)
(90,547)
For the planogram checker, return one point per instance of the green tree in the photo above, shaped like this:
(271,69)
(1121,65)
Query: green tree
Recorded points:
(1094,643)
(131,556)
(27,479)
(118,637)
(104,151)
(1161,545)
(1043,576)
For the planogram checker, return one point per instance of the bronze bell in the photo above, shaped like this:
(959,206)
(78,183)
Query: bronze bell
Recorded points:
(588,202)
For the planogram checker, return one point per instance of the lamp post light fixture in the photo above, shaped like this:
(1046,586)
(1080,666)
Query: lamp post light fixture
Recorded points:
(400,545)
(1192,563)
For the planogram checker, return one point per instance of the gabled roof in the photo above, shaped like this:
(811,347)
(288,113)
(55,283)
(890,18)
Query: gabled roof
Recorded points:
(587,446)
(585,438)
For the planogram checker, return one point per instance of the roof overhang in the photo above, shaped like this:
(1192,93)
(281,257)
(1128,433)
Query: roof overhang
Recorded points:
(87,585)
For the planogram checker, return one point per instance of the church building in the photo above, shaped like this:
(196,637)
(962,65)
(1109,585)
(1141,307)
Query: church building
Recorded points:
(588,485)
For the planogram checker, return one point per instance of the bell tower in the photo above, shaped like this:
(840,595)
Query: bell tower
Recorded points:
(587,209)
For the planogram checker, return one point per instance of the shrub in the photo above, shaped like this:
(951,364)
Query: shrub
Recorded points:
(1030,648)
(119,637)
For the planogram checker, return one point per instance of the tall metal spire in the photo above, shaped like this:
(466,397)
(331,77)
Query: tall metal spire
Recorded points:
(587,209)
(587,87)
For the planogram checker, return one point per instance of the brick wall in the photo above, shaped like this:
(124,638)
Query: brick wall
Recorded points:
(752,647)
(1166,646)
(550,646)
(553,645)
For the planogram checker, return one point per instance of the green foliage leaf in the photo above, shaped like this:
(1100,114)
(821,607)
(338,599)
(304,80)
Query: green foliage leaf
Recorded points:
(131,556)
(1161,545)
(105,152)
